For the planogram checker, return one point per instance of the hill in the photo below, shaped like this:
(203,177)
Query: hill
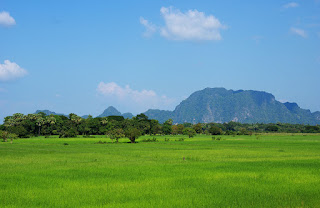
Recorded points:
(48,112)
(112,111)
(246,106)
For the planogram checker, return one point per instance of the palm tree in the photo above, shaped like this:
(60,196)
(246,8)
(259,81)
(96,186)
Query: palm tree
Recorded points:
(40,121)
(50,120)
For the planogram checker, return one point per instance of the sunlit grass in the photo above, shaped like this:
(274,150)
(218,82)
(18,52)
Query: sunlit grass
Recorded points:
(240,171)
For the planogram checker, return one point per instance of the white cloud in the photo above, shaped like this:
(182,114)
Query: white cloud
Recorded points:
(290,5)
(10,70)
(299,32)
(150,28)
(140,100)
(190,25)
(6,19)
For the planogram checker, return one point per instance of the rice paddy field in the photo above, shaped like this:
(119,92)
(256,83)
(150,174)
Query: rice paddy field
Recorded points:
(280,170)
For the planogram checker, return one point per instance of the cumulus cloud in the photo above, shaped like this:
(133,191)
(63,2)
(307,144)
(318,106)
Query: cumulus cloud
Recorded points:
(6,19)
(10,70)
(150,28)
(189,25)
(299,32)
(290,5)
(141,100)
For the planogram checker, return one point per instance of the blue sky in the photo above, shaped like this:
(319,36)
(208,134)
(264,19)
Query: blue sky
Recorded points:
(82,56)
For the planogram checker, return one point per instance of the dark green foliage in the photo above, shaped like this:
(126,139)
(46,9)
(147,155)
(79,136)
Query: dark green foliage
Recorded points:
(132,134)
(272,128)
(68,134)
(116,126)
(101,142)
(190,132)
(116,134)
(311,129)
(4,136)
(20,131)
(214,130)
(115,118)
(216,138)
(198,128)
(166,129)
(149,140)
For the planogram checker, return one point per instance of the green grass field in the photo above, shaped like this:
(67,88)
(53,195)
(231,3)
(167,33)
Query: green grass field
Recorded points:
(240,171)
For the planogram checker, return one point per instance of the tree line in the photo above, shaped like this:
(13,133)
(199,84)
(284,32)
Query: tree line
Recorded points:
(115,127)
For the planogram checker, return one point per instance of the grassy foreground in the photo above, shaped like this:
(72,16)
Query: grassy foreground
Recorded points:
(240,171)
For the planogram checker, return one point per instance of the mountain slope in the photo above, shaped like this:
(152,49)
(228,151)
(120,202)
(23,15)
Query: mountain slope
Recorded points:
(110,111)
(245,106)
(47,112)
(160,115)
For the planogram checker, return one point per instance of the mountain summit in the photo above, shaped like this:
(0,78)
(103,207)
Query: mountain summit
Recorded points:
(246,106)
(220,105)
(112,111)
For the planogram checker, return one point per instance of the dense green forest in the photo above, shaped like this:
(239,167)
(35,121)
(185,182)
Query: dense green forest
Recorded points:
(115,127)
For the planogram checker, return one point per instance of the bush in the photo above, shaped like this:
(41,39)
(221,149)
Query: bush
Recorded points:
(216,138)
(132,134)
(190,132)
(68,134)
(149,140)
(272,128)
(101,142)
(20,131)
(214,130)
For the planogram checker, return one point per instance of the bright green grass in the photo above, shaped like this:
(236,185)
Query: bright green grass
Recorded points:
(240,171)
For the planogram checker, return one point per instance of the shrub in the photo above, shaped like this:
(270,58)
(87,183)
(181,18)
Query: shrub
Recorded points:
(216,138)
(150,140)
(68,134)
(272,128)
(214,130)
(132,134)
(190,132)
(100,142)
